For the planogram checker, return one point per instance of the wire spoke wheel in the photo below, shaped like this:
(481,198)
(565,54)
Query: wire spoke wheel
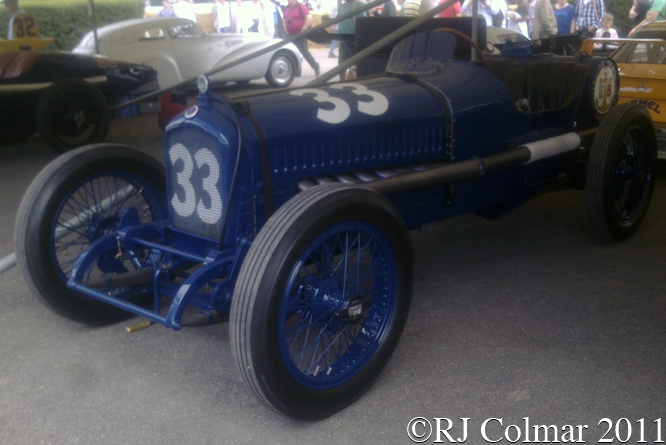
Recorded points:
(76,200)
(337,305)
(321,300)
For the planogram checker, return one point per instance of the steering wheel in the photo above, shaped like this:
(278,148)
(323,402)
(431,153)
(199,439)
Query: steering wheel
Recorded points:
(471,42)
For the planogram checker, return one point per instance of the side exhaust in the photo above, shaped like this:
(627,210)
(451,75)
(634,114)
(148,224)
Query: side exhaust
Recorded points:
(476,167)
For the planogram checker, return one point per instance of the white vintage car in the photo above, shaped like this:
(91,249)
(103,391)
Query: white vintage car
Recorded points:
(179,49)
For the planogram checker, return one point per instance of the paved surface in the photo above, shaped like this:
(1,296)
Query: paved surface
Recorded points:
(530,315)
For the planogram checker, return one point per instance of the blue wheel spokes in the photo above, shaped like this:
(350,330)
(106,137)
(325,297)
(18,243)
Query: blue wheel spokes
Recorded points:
(337,305)
(93,209)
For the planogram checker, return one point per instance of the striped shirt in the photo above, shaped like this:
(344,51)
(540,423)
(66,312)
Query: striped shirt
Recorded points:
(590,13)
(411,8)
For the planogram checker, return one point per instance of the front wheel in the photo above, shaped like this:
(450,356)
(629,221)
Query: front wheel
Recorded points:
(281,70)
(78,198)
(321,300)
(621,171)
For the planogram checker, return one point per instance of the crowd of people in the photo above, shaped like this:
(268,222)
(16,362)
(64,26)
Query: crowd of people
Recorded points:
(540,19)
(536,19)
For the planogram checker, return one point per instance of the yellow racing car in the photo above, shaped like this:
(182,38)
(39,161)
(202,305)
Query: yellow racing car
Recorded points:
(641,62)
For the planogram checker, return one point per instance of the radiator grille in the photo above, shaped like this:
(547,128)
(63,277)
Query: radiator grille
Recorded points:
(196,182)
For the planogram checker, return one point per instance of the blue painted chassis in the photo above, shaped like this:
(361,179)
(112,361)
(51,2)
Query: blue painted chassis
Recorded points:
(268,144)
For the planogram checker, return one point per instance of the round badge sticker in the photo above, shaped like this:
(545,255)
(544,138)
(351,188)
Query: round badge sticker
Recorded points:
(604,89)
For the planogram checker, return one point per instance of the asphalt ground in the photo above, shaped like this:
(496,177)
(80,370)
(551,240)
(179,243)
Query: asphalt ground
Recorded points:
(528,316)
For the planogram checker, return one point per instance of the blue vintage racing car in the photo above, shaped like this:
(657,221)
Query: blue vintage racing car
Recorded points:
(291,209)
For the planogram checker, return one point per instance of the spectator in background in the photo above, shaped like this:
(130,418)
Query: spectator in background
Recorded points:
(240,17)
(656,12)
(565,14)
(518,19)
(483,10)
(222,16)
(493,11)
(426,5)
(185,9)
(410,8)
(267,22)
(347,50)
(389,9)
(401,10)
(14,10)
(455,10)
(499,8)
(334,43)
(639,9)
(606,27)
(588,16)
(531,4)
(280,33)
(545,24)
(166,10)
(254,13)
(296,19)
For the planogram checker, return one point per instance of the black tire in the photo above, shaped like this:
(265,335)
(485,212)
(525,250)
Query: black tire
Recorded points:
(292,243)
(621,171)
(50,231)
(71,113)
(281,70)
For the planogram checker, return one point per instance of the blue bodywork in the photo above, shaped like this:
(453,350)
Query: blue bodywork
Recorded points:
(231,164)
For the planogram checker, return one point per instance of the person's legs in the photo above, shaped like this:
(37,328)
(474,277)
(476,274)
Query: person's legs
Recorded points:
(302,46)
(331,52)
(345,52)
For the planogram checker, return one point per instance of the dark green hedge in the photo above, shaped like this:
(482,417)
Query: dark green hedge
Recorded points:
(68,20)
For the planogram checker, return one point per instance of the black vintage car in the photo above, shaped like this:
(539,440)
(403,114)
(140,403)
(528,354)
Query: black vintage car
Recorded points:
(63,96)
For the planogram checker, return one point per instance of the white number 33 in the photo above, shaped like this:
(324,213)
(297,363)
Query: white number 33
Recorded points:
(377,105)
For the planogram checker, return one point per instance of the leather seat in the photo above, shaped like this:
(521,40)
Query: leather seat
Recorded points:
(550,85)
(509,72)
(540,86)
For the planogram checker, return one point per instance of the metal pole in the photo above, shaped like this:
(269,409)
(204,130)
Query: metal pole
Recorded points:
(475,26)
(93,17)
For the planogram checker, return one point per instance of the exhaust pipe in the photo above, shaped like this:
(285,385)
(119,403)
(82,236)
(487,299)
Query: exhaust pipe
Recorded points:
(476,167)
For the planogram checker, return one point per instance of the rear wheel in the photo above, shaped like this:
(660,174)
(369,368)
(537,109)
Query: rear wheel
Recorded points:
(621,171)
(71,113)
(321,300)
(281,70)
(78,198)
